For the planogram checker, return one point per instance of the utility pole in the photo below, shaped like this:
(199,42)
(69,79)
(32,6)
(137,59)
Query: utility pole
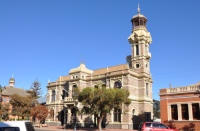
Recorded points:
(1,107)
(1,99)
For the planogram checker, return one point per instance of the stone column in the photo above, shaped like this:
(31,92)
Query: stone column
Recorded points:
(190,111)
(68,115)
(179,112)
(169,113)
(111,114)
(64,109)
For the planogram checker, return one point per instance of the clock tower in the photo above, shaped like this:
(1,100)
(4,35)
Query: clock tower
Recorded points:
(140,40)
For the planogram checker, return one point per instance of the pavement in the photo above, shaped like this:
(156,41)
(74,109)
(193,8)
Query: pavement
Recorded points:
(58,128)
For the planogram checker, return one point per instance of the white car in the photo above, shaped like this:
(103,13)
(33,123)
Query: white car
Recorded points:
(16,126)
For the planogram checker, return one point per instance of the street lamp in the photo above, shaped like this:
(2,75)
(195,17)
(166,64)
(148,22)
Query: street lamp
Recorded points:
(1,107)
(75,111)
(63,96)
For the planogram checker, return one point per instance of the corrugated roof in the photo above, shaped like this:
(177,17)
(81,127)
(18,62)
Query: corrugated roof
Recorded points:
(63,78)
(12,90)
(99,71)
(110,69)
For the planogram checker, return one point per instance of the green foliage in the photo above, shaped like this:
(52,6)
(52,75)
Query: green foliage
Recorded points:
(99,101)
(40,112)
(156,108)
(21,106)
(4,112)
(35,89)
(1,88)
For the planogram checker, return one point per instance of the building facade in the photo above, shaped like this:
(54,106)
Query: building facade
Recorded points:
(180,107)
(9,90)
(134,76)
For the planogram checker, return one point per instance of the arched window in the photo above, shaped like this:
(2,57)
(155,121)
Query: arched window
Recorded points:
(136,23)
(53,95)
(73,92)
(141,22)
(96,86)
(133,112)
(117,115)
(104,86)
(118,84)
(65,93)
(51,113)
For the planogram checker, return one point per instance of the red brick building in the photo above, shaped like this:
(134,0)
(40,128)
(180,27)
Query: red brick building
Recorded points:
(180,107)
(9,90)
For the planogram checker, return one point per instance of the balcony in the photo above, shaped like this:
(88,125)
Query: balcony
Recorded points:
(68,99)
(148,54)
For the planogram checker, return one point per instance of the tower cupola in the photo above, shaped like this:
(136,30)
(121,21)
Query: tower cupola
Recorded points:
(12,82)
(140,39)
(138,20)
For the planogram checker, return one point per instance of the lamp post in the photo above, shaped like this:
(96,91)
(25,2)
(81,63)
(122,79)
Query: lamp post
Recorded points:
(75,111)
(64,110)
(1,107)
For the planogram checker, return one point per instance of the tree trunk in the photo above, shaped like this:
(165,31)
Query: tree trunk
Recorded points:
(100,121)
(99,124)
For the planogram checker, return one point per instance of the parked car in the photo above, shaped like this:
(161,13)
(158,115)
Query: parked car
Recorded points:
(16,126)
(154,126)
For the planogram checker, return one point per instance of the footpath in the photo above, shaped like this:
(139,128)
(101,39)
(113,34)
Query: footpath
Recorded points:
(59,128)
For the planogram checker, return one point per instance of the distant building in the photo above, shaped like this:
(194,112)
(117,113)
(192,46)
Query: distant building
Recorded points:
(134,76)
(180,106)
(9,90)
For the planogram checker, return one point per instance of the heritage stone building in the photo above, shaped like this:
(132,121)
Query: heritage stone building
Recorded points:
(180,106)
(134,76)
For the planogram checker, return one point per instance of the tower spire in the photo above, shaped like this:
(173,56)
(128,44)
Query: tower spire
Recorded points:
(138,8)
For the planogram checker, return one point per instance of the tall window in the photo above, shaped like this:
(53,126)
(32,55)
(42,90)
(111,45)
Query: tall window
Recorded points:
(73,92)
(4,100)
(137,49)
(174,112)
(53,95)
(51,114)
(64,93)
(117,115)
(136,23)
(141,22)
(196,111)
(184,110)
(147,89)
(118,84)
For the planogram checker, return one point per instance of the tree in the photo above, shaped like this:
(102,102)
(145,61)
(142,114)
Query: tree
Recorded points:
(21,106)
(40,112)
(156,108)
(1,89)
(5,111)
(100,101)
(1,102)
(35,89)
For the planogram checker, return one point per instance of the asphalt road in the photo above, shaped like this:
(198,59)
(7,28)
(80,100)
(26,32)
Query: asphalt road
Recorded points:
(41,130)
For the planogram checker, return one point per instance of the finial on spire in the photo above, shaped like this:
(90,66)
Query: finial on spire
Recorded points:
(138,8)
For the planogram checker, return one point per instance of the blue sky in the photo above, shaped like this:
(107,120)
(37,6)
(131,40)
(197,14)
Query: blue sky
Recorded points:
(44,39)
